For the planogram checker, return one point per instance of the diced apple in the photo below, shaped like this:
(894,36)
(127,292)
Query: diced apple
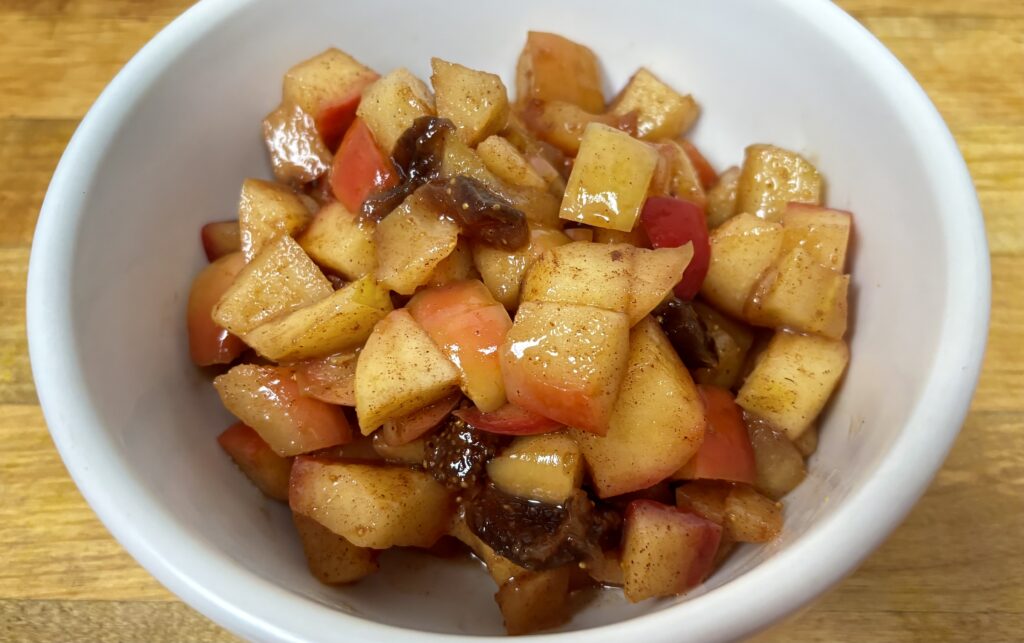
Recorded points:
(742,249)
(675,175)
(665,552)
(793,380)
(772,177)
(726,453)
(508,420)
(332,560)
(208,342)
(780,465)
(399,371)
(339,241)
(588,274)
(609,179)
(563,124)
(546,468)
(475,101)
(469,326)
(268,399)
(707,174)
(406,429)
(371,505)
(807,443)
(551,67)
(508,163)
(220,238)
(800,294)
(721,204)
(392,103)
(411,242)
(360,167)
(267,210)
(566,362)
(331,379)
(732,341)
(661,111)
(267,470)
(277,281)
(585,234)
(657,423)
(458,266)
(297,153)
(636,237)
(744,514)
(328,87)
(606,568)
(502,271)
(615,277)
(341,321)
(411,453)
(535,601)
(671,223)
(822,232)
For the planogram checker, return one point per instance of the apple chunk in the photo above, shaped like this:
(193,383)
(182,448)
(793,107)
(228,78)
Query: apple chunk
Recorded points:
(279,280)
(822,232)
(411,242)
(566,362)
(265,211)
(399,371)
(469,326)
(742,249)
(371,505)
(546,468)
(657,423)
(793,380)
(801,294)
(267,470)
(331,559)
(343,320)
(503,271)
(661,111)
(609,179)
(392,103)
(337,240)
(726,453)
(208,342)
(297,153)
(551,67)
(771,177)
(475,101)
(328,87)
(268,399)
(665,551)
(220,238)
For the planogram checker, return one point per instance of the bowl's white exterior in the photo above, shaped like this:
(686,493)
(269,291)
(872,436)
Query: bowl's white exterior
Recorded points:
(166,146)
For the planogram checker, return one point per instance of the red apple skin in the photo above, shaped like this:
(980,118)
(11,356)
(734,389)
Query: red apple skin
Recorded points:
(208,343)
(360,168)
(268,399)
(670,223)
(691,544)
(404,430)
(267,470)
(220,238)
(726,453)
(335,118)
(508,420)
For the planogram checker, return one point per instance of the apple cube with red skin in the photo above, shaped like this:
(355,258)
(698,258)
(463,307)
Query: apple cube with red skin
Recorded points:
(267,470)
(220,238)
(566,362)
(360,167)
(331,379)
(469,326)
(665,551)
(331,559)
(726,453)
(328,86)
(297,152)
(670,223)
(508,420)
(208,342)
(268,399)
(657,423)
(552,67)
(406,429)
(371,505)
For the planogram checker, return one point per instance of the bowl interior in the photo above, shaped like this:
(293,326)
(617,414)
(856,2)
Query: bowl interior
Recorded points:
(175,144)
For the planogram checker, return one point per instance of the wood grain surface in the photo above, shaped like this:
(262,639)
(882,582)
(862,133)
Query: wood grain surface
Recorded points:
(954,571)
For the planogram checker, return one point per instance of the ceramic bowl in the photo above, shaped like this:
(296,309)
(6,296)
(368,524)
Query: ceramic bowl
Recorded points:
(166,146)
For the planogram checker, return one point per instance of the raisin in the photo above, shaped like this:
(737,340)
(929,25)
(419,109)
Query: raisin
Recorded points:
(457,454)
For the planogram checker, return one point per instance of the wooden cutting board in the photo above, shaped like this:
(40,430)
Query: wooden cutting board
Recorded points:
(953,572)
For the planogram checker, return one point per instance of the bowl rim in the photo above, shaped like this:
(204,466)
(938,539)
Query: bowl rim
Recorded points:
(208,581)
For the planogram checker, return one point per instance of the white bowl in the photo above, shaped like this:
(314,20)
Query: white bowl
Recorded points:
(166,146)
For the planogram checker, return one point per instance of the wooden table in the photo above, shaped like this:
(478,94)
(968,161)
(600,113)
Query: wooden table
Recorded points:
(954,571)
